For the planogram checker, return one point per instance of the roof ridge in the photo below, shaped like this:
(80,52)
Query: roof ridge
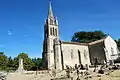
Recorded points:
(78,43)
(97,41)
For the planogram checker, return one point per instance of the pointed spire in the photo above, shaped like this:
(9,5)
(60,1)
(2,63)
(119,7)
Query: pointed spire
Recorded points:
(50,13)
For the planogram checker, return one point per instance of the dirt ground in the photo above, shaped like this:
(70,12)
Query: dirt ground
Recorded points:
(109,75)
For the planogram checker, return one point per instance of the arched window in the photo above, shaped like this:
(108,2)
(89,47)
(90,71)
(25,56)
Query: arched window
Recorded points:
(79,57)
(72,53)
(85,54)
(51,22)
(56,32)
(50,31)
(112,51)
(53,31)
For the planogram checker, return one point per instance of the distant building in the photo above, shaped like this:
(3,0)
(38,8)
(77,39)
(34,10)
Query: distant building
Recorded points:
(57,54)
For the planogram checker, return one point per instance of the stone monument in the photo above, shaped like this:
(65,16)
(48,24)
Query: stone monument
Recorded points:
(20,68)
(87,66)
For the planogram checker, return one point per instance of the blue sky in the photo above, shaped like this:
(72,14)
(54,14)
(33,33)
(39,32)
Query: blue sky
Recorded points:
(22,21)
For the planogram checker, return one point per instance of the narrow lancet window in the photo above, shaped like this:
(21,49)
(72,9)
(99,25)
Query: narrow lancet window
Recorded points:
(56,32)
(85,54)
(72,53)
(50,31)
(53,31)
(79,56)
(112,51)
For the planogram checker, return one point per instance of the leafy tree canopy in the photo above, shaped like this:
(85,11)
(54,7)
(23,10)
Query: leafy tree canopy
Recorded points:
(9,63)
(86,37)
(27,62)
(3,60)
(37,63)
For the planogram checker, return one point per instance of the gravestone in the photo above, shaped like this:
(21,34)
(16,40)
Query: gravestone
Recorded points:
(87,67)
(20,68)
(111,62)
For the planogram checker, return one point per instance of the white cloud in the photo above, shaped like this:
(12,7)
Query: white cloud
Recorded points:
(9,33)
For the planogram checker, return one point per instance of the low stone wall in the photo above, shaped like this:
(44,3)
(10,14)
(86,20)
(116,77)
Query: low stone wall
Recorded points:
(62,79)
(36,72)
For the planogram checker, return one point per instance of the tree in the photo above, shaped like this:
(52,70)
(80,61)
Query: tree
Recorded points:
(27,62)
(10,64)
(7,63)
(86,37)
(3,60)
(37,63)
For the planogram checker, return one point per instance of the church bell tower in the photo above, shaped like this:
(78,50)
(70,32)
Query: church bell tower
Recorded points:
(50,34)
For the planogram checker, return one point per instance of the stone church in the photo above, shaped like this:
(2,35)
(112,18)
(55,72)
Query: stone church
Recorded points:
(57,53)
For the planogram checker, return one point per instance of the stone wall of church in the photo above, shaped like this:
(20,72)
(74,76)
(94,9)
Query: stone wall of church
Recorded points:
(97,51)
(75,54)
(50,52)
(111,48)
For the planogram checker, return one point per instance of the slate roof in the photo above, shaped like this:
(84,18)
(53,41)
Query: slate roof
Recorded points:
(76,43)
(86,44)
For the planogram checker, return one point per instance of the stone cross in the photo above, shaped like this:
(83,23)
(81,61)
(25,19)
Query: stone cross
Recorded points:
(20,63)
(87,67)
(20,68)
